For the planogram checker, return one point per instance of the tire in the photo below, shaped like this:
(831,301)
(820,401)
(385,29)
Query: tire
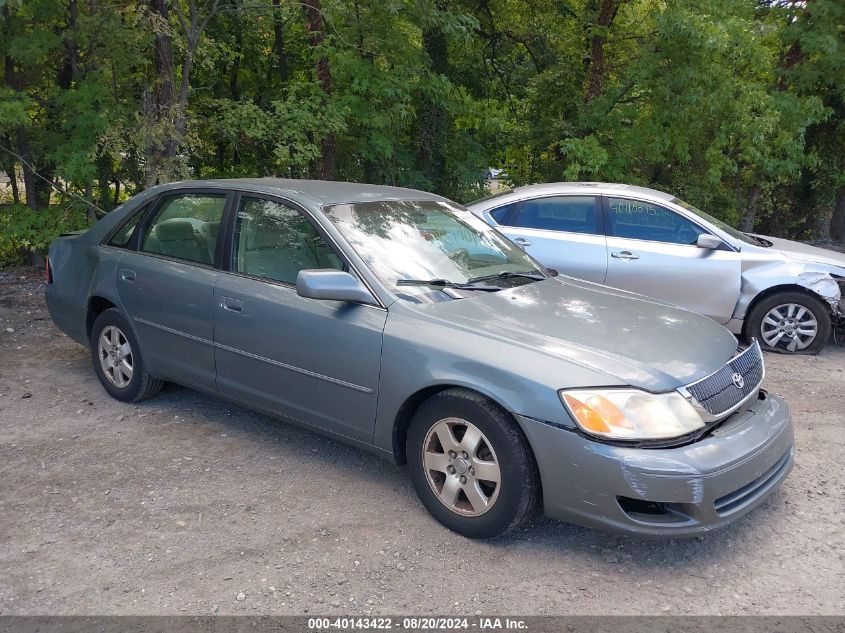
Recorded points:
(510,503)
(813,309)
(125,377)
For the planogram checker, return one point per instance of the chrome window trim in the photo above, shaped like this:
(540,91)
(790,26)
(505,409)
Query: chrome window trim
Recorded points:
(168,258)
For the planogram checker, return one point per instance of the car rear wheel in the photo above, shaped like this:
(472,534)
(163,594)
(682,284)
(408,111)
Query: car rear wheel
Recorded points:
(471,465)
(790,322)
(117,359)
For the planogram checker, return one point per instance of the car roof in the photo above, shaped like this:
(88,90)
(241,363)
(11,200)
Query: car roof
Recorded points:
(606,188)
(318,192)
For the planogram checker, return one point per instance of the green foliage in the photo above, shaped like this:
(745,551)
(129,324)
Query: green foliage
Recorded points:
(736,105)
(23,229)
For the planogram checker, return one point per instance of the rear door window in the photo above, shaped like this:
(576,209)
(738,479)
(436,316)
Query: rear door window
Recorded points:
(186,227)
(567,214)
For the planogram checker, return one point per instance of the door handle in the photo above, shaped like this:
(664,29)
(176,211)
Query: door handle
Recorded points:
(232,305)
(522,241)
(127,275)
(626,255)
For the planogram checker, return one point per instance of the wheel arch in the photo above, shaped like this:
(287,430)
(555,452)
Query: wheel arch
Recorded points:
(773,290)
(747,325)
(96,305)
(413,402)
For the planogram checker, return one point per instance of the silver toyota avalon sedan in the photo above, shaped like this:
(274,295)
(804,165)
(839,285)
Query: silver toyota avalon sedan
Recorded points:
(785,294)
(399,322)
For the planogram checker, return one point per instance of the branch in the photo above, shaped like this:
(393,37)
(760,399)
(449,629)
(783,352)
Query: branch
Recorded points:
(178,11)
(211,8)
(29,166)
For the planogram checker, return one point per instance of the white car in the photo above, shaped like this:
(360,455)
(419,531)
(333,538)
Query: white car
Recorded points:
(786,294)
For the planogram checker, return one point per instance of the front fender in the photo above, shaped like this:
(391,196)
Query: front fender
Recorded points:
(420,353)
(820,279)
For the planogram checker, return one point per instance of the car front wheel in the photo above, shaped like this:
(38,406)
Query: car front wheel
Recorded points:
(790,322)
(117,359)
(471,465)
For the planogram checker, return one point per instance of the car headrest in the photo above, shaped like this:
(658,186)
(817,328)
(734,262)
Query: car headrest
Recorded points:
(266,237)
(211,229)
(174,229)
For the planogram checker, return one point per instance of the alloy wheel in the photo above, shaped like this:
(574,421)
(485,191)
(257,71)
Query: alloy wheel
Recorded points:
(115,355)
(789,325)
(461,467)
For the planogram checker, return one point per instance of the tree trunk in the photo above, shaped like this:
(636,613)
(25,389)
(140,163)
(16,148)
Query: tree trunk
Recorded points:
(234,73)
(159,101)
(746,223)
(105,176)
(69,69)
(10,167)
(837,222)
(597,72)
(432,119)
(89,196)
(30,187)
(13,81)
(279,43)
(316,36)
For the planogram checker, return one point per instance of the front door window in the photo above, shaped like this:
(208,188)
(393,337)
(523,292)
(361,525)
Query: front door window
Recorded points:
(638,220)
(275,241)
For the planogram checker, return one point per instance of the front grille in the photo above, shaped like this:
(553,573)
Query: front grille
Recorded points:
(718,393)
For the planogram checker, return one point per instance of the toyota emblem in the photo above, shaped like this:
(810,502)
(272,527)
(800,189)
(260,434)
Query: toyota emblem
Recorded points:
(738,380)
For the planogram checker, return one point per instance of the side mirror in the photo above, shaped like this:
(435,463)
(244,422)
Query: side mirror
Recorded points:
(710,242)
(332,285)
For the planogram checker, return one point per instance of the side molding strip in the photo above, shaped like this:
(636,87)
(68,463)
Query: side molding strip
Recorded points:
(269,361)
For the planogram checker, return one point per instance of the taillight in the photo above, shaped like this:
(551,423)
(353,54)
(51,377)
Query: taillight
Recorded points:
(48,274)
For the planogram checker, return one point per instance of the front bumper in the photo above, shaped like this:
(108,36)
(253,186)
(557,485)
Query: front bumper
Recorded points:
(665,492)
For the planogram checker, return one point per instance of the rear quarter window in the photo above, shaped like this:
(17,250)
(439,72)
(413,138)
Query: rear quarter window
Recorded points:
(123,236)
(501,214)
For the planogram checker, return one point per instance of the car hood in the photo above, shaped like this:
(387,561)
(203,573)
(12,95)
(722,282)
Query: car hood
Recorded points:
(637,340)
(806,253)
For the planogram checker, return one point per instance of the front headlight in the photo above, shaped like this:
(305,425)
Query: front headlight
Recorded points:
(631,414)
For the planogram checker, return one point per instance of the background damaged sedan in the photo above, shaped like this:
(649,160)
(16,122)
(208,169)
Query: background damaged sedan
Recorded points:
(786,294)
(398,321)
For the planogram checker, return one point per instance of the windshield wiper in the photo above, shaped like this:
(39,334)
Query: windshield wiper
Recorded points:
(445,283)
(534,275)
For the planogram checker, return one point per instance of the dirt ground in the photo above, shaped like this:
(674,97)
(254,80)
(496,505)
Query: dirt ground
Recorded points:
(186,504)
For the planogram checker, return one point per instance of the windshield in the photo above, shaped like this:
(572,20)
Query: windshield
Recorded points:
(727,228)
(429,240)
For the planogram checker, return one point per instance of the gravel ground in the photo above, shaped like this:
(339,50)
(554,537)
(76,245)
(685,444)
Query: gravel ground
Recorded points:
(185,504)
